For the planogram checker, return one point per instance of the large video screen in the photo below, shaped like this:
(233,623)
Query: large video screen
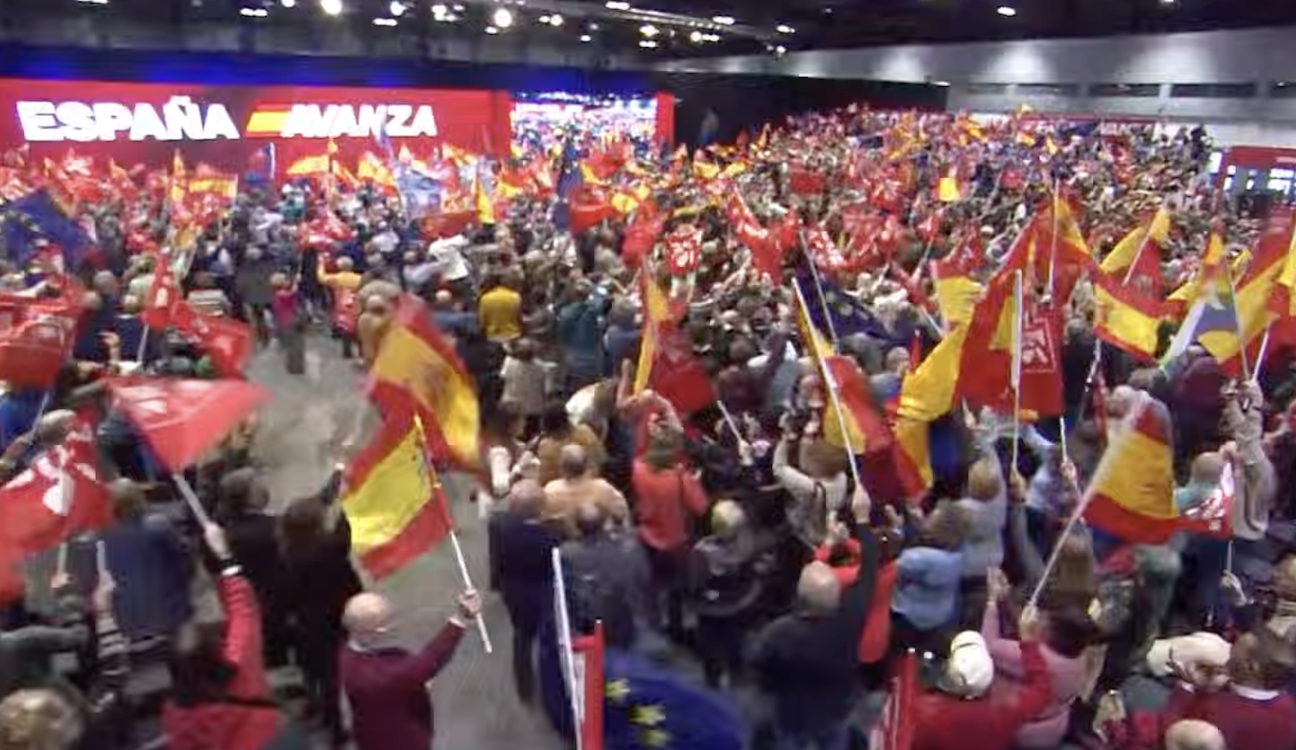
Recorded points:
(226,126)
(541,121)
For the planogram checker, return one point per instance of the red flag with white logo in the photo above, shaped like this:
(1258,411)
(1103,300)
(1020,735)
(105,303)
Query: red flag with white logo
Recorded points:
(895,728)
(1213,516)
(58,496)
(182,419)
(164,297)
(35,339)
(228,342)
(1041,355)
(684,250)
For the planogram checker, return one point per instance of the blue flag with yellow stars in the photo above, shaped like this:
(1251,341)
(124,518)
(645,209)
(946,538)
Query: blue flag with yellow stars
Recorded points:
(38,216)
(834,312)
(649,707)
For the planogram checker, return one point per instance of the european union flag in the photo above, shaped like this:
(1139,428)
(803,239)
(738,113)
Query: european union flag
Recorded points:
(37,216)
(648,707)
(833,310)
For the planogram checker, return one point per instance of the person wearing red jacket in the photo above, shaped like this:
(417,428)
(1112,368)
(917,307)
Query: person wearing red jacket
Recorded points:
(220,696)
(387,687)
(972,703)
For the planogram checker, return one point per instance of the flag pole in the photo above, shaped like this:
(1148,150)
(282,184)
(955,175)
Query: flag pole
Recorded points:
(729,420)
(1015,375)
(1260,356)
(191,499)
(468,584)
(823,302)
(565,652)
(830,385)
(1057,220)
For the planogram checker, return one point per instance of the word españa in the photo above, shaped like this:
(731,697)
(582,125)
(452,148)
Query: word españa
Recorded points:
(182,119)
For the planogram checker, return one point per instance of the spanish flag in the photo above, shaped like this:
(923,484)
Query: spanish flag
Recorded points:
(482,202)
(1125,319)
(1252,303)
(310,166)
(929,391)
(417,369)
(1132,493)
(1140,250)
(655,314)
(1180,298)
(393,500)
(179,179)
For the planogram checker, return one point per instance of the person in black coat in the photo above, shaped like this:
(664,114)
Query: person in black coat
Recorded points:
(253,540)
(807,661)
(522,548)
(315,540)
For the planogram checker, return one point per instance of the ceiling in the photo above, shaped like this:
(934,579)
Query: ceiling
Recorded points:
(761,26)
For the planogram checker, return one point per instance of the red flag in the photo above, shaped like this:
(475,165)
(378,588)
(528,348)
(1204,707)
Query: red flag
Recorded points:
(58,496)
(640,237)
(182,419)
(228,342)
(895,727)
(1041,358)
(684,250)
(164,296)
(802,181)
(676,374)
(1213,516)
(855,396)
(35,338)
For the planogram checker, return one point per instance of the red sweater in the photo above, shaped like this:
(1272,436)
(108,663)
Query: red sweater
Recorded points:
(877,627)
(1246,723)
(390,707)
(230,726)
(946,722)
(661,500)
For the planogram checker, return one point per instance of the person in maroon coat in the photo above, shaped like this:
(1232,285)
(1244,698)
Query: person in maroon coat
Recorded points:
(972,703)
(386,686)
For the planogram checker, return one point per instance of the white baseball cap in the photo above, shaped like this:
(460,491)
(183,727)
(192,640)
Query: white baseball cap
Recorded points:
(970,670)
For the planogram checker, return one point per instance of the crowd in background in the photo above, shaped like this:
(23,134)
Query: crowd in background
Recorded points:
(713,523)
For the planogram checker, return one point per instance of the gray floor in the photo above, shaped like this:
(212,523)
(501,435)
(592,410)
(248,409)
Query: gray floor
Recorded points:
(476,708)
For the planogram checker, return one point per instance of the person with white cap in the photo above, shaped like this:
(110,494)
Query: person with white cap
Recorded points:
(972,703)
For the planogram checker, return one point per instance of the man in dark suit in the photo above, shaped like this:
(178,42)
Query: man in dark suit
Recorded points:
(522,569)
(385,685)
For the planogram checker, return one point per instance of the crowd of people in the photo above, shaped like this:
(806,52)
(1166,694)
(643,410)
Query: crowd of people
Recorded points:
(691,460)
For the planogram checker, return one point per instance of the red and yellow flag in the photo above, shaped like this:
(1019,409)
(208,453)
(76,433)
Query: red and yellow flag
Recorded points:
(393,500)
(417,369)
(1133,488)
(656,312)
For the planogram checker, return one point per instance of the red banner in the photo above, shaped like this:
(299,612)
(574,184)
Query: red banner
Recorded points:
(227,126)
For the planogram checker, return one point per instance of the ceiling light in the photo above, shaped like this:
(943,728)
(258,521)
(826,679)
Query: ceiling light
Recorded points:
(785,29)
(617,5)
(780,50)
(1167,2)
(586,38)
(543,19)
(397,8)
(593,27)
(253,12)
(648,30)
(503,18)
(723,20)
(1006,11)
(492,30)
(647,44)
(384,22)
(331,7)
(555,20)
(288,3)
(458,8)
(440,9)
(942,84)
(710,37)
(93,2)
(695,37)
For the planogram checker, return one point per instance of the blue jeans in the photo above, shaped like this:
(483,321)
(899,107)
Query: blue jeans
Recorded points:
(829,738)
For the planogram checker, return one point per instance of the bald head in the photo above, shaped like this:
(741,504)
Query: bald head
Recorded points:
(1121,400)
(818,589)
(727,517)
(1207,468)
(574,463)
(526,496)
(1194,735)
(367,617)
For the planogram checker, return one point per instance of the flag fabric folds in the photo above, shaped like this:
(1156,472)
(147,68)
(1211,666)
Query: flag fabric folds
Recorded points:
(416,368)
(1132,492)
(1213,314)
(183,419)
(666,362)
(836,313)
(1139,252)
(393,500)
(36,339)
(1125,319)
(38,216)
(650,707)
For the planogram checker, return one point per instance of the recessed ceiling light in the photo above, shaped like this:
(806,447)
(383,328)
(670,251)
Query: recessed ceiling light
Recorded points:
(586,38)
(93,2)
(1007,11)
(440,9)
(543,19)
(503,18)
(780,50)
(723,20)
(647,44)
(695,37)
(492,30)
(397,8)
(254,12)
(1167,2)
(331,7)
(648,30)
(555,20)
(785,29)
(384,22)
(288,3)
(593,27)
(617,5)
(941,83)
(458,8)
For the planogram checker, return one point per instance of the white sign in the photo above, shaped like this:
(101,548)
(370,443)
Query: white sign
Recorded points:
(179,119)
